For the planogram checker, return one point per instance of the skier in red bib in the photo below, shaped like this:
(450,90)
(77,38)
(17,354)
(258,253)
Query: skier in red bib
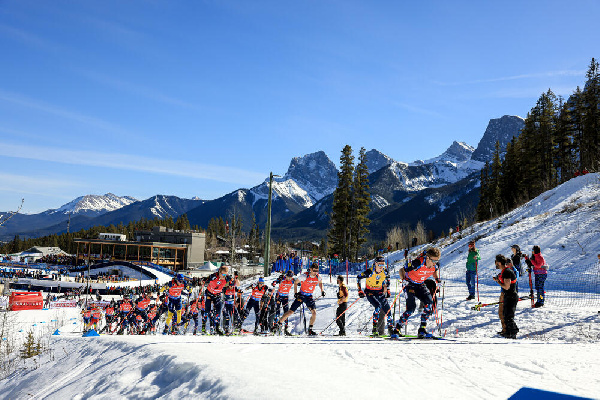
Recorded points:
(307,283)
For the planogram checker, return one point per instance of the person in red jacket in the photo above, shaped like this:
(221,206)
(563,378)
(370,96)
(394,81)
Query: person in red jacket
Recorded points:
(540,269)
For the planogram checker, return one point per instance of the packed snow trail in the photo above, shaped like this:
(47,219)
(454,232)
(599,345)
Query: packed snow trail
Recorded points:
(248,367)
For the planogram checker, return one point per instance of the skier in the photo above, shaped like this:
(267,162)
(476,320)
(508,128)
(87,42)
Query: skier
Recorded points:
(377,282)
(140,314)
(416,273)
(342,302)
(176,287)
(540,269)
(258,291)
(282,297)
(216,282)
(471,275)
(509,297)
(307,282)
(124,309)
(230,311)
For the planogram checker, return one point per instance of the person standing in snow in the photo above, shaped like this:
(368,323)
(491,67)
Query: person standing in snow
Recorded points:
(509,298)
(540,269)
(307,282)
(471,275)
(377,282)
(416,274)
(342,302)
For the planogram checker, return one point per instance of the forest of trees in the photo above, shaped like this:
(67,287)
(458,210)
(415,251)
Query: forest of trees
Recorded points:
(560,139)
(351,204)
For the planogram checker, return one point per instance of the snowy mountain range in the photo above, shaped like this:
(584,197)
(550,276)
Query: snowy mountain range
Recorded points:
(435,190)
(94,204)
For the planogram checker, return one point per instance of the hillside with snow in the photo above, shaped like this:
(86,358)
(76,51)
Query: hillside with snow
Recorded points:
(556,349)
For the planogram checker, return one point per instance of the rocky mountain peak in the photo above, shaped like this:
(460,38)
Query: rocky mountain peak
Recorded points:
(314,172)
(499,129)
(458,151)
(377,160)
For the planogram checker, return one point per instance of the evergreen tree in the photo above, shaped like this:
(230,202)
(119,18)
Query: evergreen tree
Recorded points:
(360,204)
(341,214)
(590,149)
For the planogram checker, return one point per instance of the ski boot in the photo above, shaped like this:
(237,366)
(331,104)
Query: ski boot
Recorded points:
(374,331)
(311,332)
(286,332)
(422,333)
(194,333)
(218,331)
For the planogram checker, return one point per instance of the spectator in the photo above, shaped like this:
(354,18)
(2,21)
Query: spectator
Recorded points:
(540,269)
(342,302)
(508,298)
(471,274)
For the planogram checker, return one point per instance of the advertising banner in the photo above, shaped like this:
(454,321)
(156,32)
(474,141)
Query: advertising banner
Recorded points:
(63,303)
(26,301)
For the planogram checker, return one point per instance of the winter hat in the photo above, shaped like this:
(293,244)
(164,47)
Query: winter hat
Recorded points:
(261,280)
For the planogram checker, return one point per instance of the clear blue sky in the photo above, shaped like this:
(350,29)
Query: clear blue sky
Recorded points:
(199,98)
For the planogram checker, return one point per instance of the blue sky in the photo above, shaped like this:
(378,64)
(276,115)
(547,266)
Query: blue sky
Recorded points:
(199,98)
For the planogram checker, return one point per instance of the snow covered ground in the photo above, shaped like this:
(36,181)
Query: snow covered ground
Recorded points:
(557,347)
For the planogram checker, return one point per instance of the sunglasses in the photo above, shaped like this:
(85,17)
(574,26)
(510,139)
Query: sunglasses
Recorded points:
(434,259)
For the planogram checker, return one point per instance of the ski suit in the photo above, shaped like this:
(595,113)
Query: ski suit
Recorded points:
(375,285)
(416,274)
(214,288)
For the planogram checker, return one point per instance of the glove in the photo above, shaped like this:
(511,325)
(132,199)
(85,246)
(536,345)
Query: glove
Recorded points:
(438,281)
(296,295)
(322,293)
(388,294)
(361,294)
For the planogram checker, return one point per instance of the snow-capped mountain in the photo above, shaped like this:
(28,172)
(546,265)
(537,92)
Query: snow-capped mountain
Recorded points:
(450,167)
(92,204)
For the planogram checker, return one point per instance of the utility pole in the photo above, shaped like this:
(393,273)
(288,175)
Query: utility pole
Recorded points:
(268,227)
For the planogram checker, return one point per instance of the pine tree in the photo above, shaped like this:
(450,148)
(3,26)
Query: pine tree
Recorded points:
(360,204)
(590,149)
(341,214)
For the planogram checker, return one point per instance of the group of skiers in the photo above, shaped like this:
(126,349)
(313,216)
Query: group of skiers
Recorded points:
(219,306)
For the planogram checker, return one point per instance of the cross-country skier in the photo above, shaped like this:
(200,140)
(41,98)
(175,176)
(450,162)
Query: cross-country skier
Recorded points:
(509,297)
(415,274)
(230,313)
(540,269)
(258,291)
(376,285)
(286,282)
(175,287)
(215,284)
(307,282)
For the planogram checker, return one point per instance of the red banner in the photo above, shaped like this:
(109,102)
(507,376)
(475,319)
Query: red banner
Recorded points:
(26,301)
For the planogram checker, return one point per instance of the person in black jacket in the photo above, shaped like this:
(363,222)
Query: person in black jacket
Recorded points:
(507,280)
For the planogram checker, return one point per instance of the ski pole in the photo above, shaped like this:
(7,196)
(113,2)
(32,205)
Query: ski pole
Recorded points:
(477,307)
(530,287)
(339,316)
(477,275)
